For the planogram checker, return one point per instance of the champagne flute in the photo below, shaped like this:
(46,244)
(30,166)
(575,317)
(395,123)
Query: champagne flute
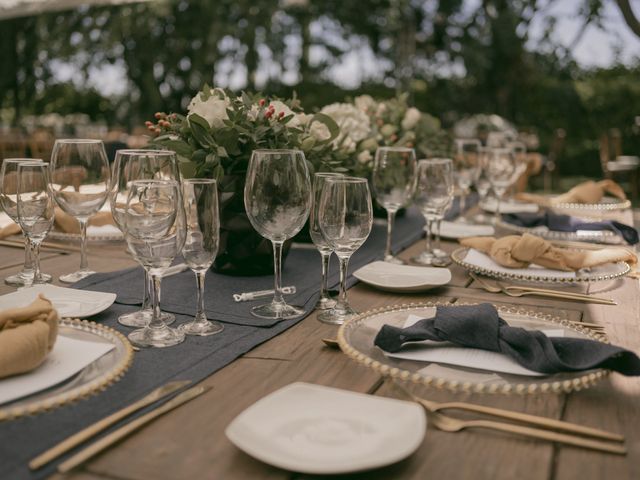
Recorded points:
(130,165)
(277,198)
(394,173)
(154,228)
(467,166)
(80,180)
(319,179)
(201,244)
(345,219)
(502,172)
(434,192)
(8,201)
(35,208)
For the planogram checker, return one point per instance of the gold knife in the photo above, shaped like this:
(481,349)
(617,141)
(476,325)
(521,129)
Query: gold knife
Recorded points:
(92,430)
(117,435)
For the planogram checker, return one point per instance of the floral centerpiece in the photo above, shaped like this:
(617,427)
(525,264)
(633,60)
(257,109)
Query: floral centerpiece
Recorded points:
(216,138)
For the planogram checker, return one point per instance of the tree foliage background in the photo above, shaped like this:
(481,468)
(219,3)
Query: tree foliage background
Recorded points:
(455,58)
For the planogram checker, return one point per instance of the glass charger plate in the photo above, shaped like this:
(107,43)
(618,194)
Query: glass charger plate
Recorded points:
(599,236)
(607,204)
(95,377)
(357,335)
(530,275)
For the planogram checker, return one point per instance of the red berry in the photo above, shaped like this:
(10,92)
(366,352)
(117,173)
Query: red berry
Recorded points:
(268,114)
(158,115)
(281,114)
(262,102)
(148,123)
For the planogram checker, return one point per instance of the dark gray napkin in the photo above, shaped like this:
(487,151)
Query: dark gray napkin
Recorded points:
(567,223)
(479,326)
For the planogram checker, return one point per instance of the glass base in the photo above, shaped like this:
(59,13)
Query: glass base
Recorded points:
(141,318)
(277,311)
(481,219)
(201,328)
(325,303)
(394,260)
(462,219)
(425,258)
(156,337)
(76,276)
(25,279)
(337,316)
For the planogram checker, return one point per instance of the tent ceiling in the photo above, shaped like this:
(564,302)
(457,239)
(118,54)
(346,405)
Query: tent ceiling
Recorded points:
(23,8)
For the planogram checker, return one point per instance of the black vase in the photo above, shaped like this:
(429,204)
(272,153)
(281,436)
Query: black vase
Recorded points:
(242,250)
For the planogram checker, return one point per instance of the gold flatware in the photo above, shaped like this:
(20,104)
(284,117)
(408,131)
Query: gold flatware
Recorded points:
(105,442)
(517,291)
(544,422)
(331,342)
(92,430)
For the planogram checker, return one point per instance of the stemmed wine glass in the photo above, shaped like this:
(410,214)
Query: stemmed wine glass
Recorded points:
(434,192)
(80,181)
(467,166)
(35,208)
(130,165)
(394,174)
(8,201)
(502,172)
(482,183)
(319,179)
(277,198)
(154,228)
(345,219)
(201,244)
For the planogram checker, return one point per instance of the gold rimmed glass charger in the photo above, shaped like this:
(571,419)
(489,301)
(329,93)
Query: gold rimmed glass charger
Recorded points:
(598,236)
(95,377)
(605,272)
(356,339)
(607,204)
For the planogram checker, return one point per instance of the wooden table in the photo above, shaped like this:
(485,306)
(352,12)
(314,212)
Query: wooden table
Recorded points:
(190,442)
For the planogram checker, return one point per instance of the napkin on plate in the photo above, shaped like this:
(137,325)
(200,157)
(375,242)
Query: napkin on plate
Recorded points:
(587,192)
(515,251)
(27,335)
(480,326)
(567,223)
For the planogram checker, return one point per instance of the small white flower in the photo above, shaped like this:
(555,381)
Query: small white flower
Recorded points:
(319,131)
(411,118)
(354,124)
(365,157)
(366,103)
(213,110)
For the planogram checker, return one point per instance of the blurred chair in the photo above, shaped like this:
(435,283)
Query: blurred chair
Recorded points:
(41,144)
(13,145)
(615,165)
(551,171)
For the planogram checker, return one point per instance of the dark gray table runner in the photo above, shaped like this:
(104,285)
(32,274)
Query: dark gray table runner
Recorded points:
(197,357)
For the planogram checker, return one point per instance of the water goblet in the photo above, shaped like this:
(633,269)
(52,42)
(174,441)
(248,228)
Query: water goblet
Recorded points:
(8,202)
(502,173)
(35,208)
(154,227)
(201,244)
(325,301)
(345,219)
(80,181)
(277,199)
(393,179)
(434,192)
(482,183)
(466,164)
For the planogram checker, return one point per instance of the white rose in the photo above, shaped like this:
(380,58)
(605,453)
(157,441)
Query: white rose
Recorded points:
(213,110)
(411,118)
(319,131)
(365,157)
(366,103)
(354,124)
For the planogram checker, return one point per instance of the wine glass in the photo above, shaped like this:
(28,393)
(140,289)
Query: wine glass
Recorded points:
(201,244)
(466,168)
(154,228)
(482,183)
(502,172)
(80,180)
(277,198)
(520,153)
(8,201)
(130,165)
(35,208)
(434,192)
(345,219)
(319,179)
(394,174)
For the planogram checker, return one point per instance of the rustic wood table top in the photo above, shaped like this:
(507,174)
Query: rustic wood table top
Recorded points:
(189,442)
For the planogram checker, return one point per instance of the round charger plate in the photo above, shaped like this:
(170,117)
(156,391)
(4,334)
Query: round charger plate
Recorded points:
(607,204)
(357,335)
(94,378)
(599,236)
(609,271)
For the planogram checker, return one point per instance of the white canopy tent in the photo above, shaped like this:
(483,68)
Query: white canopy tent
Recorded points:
(23,8)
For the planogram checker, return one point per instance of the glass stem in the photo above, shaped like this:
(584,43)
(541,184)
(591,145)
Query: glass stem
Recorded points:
(28,259)
(35,246)
(497,217)
(146,296)
(277,270)
(83,244)
(344,263)
(201,317)
(391,217)
(156,318)
(463,203)
(324,289)
(428,238)
(437,242)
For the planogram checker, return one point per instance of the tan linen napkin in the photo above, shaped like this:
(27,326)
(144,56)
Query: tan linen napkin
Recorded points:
(515,251)
(68,224)
(587,192)
(11,229)
(27,335)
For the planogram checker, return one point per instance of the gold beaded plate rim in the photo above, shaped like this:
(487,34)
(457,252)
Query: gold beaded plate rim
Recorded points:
(614,204)
(579,382)
(460,254)
(84,390)
(604,236)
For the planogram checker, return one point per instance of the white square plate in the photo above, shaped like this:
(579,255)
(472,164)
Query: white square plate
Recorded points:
(402,278)
(69,302)
(320,430)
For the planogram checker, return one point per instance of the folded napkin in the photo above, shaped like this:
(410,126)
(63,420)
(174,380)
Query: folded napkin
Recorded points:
(480,326)
(27,335)
(11,229)
(587,192)
(515,251)
(567,223)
